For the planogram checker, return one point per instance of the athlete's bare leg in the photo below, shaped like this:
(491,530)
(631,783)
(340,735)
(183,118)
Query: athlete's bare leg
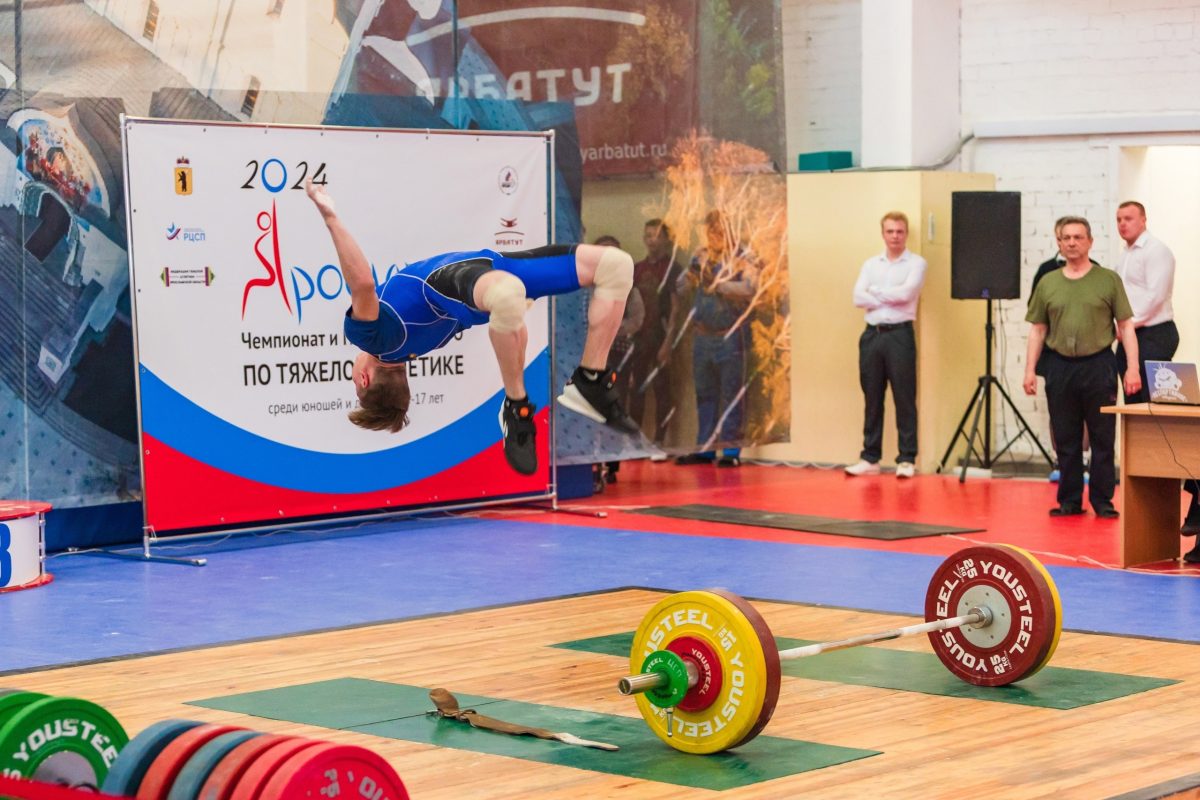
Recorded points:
(604,311)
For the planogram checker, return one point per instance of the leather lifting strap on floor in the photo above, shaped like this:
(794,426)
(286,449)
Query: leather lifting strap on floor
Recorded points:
(447,708)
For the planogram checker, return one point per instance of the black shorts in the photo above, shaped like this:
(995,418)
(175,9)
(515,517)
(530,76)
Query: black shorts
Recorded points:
(457,280)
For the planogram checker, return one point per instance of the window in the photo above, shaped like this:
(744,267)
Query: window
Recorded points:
(251,98)
(151,26)
(274,7)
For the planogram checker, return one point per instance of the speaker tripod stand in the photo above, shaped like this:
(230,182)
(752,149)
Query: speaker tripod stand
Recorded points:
(981,404)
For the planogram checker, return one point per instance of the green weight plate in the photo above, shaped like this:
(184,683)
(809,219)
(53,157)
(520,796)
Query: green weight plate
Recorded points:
(126,774)
(197,769)
(61,740)
(671,665)
(13,700)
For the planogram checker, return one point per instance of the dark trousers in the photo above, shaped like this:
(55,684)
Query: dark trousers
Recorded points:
(887,354)
(1155,343)
(719,371)
(1076,389)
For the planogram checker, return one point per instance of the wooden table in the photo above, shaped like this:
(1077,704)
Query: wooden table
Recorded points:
(1159,445)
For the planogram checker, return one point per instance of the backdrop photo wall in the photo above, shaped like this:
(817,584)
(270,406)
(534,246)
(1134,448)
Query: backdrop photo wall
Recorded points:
(243,370)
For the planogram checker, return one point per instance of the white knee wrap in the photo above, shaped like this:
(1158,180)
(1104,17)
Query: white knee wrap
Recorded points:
(505,303)
(614,275)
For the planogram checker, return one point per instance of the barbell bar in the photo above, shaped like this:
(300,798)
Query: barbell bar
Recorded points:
(708,669)
(978,617)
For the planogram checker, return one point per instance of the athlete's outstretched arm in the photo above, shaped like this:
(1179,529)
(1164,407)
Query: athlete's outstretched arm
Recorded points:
(364,302)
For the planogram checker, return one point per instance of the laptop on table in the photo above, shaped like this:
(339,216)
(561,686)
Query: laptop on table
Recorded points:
(1172,382)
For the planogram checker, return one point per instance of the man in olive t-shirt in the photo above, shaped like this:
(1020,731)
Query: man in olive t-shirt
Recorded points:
(1072,311)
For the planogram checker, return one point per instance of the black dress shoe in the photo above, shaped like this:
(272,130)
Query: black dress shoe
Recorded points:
(1106,512)
(1190,527)
(1192,556)
(1066,510)
(729,461)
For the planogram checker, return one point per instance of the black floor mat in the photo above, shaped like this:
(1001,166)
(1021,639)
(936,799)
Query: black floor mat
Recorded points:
(888,530)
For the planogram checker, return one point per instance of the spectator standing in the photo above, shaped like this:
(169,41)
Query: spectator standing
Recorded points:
(888,287)
(1073,312)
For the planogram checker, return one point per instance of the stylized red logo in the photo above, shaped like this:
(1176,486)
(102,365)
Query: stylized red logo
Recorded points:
(268,223)
(507,180)
(508,235)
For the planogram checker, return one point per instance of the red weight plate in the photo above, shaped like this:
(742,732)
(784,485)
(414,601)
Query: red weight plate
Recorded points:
(250,786)
(1024,625)
(336,770)
(708,666)
(166,766)
(770,653)
(224,778)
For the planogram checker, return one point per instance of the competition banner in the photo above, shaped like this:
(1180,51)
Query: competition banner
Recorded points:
(244,375)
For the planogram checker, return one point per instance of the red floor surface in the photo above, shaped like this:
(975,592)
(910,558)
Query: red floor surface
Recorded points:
(1009,510)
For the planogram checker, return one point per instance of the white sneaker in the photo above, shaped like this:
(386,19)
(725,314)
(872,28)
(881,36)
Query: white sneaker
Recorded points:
(905,469)
(863,468)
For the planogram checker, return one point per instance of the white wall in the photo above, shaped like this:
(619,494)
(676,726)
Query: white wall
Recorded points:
(887,101)
(822,62)
(1170,191)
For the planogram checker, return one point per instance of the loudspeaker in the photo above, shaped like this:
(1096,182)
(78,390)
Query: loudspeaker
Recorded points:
(985,245)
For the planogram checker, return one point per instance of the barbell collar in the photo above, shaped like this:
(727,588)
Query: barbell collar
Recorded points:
(636,684)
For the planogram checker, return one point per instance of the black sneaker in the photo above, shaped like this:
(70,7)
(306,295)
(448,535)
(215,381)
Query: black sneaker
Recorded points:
(596,399)
(520,435)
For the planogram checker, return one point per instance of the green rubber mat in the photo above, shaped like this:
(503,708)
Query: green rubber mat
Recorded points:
(886,530)
(397,711)
(883,668)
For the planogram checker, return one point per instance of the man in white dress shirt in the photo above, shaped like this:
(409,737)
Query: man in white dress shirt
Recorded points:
(888,287)
(1147,268)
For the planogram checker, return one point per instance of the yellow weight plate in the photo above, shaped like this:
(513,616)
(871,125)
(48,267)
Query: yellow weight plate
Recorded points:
(749,670)
(1058,609)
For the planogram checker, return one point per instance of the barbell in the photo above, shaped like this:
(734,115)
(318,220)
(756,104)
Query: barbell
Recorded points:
(708,669)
